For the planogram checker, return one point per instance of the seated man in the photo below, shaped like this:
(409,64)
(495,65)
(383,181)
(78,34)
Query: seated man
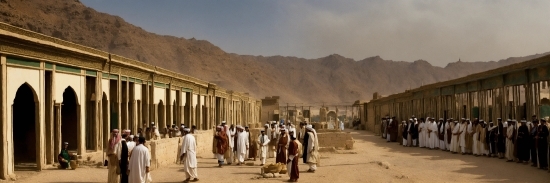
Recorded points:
(63,158)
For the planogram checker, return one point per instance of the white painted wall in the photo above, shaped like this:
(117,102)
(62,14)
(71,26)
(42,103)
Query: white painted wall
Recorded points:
(160,94)
(105,87)
(173,96)
(15,78)
(78,83)
(137,91)
(195,100)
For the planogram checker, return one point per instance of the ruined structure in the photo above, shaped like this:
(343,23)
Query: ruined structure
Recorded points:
(515,91)
(54,91)
(270,109)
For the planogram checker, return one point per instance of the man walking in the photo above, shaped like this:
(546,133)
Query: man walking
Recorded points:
(140,161)
(189,154)
(311,149)
(263,140)
(221,144)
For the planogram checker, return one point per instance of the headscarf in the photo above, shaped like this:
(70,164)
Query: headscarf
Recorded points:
(114,141)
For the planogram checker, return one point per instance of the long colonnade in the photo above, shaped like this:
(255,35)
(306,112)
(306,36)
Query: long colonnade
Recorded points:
(54,91)
(511,92)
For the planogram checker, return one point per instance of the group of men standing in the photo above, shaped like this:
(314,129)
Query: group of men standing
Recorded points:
(522,143)
(282,142)
(128,158)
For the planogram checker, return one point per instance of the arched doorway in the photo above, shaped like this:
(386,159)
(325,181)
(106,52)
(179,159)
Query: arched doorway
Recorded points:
(69,118)
(24,121)
(160,120)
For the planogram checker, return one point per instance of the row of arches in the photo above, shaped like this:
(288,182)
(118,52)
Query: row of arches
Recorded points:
(25,119)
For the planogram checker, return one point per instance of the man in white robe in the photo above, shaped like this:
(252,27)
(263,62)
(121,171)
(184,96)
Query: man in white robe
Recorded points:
(448,128)
(341,125)
(242,144)
(463,132)
(436,134)
(311,155)
(455,138)
(510,140)
(140,161)
(114,144)
(442,133)
(421,134)
(475,147)
(231,132)
(434,138)
(263,140)
(131,144)
(189,155)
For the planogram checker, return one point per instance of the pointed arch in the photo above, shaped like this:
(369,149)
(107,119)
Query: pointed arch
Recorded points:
(25,115)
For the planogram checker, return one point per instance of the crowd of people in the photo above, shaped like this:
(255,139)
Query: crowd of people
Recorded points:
(129,157)
(285,143)
(526,142)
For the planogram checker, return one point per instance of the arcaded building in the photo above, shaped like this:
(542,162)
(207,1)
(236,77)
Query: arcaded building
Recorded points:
(54,91)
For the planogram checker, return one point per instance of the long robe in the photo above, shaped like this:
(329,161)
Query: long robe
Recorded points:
(523,143)
(482,144)
(469,138)
(448,135)
(455,144)
(311,149)
(263,140)
(462,137)
(492,139)
(242,146)
(292,167)
(112,176)
(282,145)
(421,135)
(393,127)
(542,145)
(475,145)
(123,161)
(510,142)
(384,129)
(442,144)
(434,138)
(220,145)
(501,138)
(140,160)
(188,147)
(253,148)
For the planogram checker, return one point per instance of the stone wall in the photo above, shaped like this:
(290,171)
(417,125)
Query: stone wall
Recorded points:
(164,152)
(338,140)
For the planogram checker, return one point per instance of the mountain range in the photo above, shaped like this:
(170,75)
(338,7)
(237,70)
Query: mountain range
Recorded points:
(333,79)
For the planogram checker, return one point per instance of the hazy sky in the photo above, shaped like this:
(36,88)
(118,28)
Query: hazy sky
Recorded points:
(438,31)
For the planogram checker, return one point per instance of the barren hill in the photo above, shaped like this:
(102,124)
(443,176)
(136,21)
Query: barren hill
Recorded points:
(331,79)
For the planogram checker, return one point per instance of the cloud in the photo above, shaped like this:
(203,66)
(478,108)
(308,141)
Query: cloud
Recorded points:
(436,31)
(439,31)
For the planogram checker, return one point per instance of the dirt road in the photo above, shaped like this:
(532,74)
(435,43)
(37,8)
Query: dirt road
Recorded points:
(372,160)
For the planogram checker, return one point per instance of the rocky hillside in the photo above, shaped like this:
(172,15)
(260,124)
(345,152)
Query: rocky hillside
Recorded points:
(331,79)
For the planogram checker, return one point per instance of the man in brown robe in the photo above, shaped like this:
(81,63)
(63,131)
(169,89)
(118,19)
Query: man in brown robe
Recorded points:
(253,150)
(220,141)
(394,127)
(292,162)
(282,145)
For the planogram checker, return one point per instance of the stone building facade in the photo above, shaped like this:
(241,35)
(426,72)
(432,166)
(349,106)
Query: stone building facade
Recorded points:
(54,91)
(515,91)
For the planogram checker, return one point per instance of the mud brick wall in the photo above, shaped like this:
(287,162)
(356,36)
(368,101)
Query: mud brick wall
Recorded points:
(338,140)
(164,152)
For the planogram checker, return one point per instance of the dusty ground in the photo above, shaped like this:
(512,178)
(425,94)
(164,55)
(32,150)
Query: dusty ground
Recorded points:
(373,155)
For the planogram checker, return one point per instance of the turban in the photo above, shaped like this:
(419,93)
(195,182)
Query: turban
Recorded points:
(223,122)
(219,127)
(309,127)
(186,130)
(266,125)
(132,136)
(65,143)
(152,123)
